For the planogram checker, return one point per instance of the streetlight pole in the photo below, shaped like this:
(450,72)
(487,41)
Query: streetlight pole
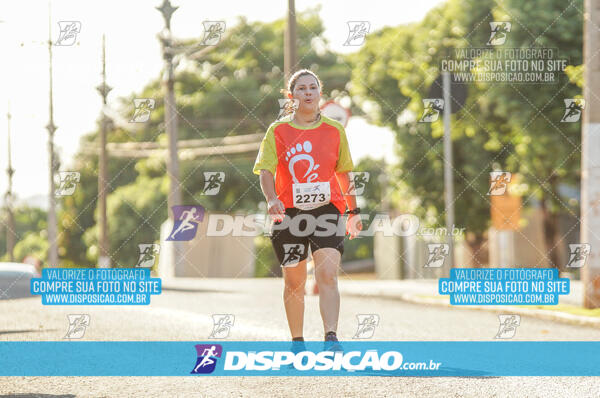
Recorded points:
(10,230)
(289,55)
(289,63)
(590,165)
(448,182)
(52,226)
(174,197)
(103,89)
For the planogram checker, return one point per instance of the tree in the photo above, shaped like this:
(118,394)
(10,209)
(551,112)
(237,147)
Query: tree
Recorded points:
(502,126)
(134,212)
(28,221)
(232,90)
(370,203)
(32,244)
(392,74)
(546,151)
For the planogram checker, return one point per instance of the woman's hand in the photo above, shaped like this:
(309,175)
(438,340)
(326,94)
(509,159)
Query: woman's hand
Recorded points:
(276,209)
(353,225)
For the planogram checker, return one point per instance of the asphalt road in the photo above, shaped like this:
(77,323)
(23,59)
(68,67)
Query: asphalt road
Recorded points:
(184,314)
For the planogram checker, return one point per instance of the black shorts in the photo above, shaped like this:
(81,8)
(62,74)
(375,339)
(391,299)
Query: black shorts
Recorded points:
(301,229)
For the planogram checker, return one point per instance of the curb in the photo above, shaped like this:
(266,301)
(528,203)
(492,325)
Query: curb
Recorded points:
(557,316)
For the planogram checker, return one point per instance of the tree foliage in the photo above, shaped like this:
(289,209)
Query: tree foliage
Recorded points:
(29,233)
(232,90)
(513,127)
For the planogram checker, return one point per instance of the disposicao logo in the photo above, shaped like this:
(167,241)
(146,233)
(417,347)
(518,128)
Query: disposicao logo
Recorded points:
(207,358)
(307,360)
(272,359)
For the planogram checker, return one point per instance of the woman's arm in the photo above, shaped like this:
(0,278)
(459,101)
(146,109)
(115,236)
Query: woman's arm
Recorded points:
(274,205)
(344,181)
(267,184)
(354,223)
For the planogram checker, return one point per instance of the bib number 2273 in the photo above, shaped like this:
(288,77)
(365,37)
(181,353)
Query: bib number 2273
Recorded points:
(311,195)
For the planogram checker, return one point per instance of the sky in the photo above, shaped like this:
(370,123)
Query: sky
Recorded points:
(133,58)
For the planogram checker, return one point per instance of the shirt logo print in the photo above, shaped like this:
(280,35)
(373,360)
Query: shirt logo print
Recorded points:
(301,152)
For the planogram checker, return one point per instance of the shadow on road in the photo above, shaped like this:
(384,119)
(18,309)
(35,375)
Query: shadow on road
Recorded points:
(29,395)
(25,331)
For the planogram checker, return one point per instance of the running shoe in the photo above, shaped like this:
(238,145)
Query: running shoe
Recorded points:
(332,343)
(298,346)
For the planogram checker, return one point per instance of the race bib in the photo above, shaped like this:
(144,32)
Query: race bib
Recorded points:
(311,195)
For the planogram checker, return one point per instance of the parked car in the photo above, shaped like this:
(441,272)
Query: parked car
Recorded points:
(14,280)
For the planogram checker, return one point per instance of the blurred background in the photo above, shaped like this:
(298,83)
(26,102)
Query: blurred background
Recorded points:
(229,85)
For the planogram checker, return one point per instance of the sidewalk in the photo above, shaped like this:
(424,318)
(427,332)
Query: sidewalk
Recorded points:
(418,291)
(425,291)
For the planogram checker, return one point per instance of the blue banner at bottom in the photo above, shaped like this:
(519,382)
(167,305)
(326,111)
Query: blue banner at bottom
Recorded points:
(255,358)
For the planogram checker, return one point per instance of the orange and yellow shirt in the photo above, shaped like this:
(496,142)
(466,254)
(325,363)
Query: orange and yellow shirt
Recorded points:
(299,154)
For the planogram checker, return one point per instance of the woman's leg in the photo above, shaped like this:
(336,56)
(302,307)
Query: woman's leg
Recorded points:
(327,261)
(293,297)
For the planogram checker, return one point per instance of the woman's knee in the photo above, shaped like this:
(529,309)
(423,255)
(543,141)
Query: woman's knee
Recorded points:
(295,281)
(326,276)
(327,262)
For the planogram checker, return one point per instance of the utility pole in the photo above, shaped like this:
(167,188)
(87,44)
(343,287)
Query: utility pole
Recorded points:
(289,54)
(103,89)
(448,182)
(52,226)
(174,197)
(10,230)
(289,64)
(590,163)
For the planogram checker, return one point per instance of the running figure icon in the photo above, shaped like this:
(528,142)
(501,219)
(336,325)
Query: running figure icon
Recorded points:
(207,354)
(186,222)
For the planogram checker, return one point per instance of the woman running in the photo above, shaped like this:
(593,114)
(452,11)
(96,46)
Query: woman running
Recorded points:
(309,156)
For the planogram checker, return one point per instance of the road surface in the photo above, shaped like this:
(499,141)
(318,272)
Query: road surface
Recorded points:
(184,314)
